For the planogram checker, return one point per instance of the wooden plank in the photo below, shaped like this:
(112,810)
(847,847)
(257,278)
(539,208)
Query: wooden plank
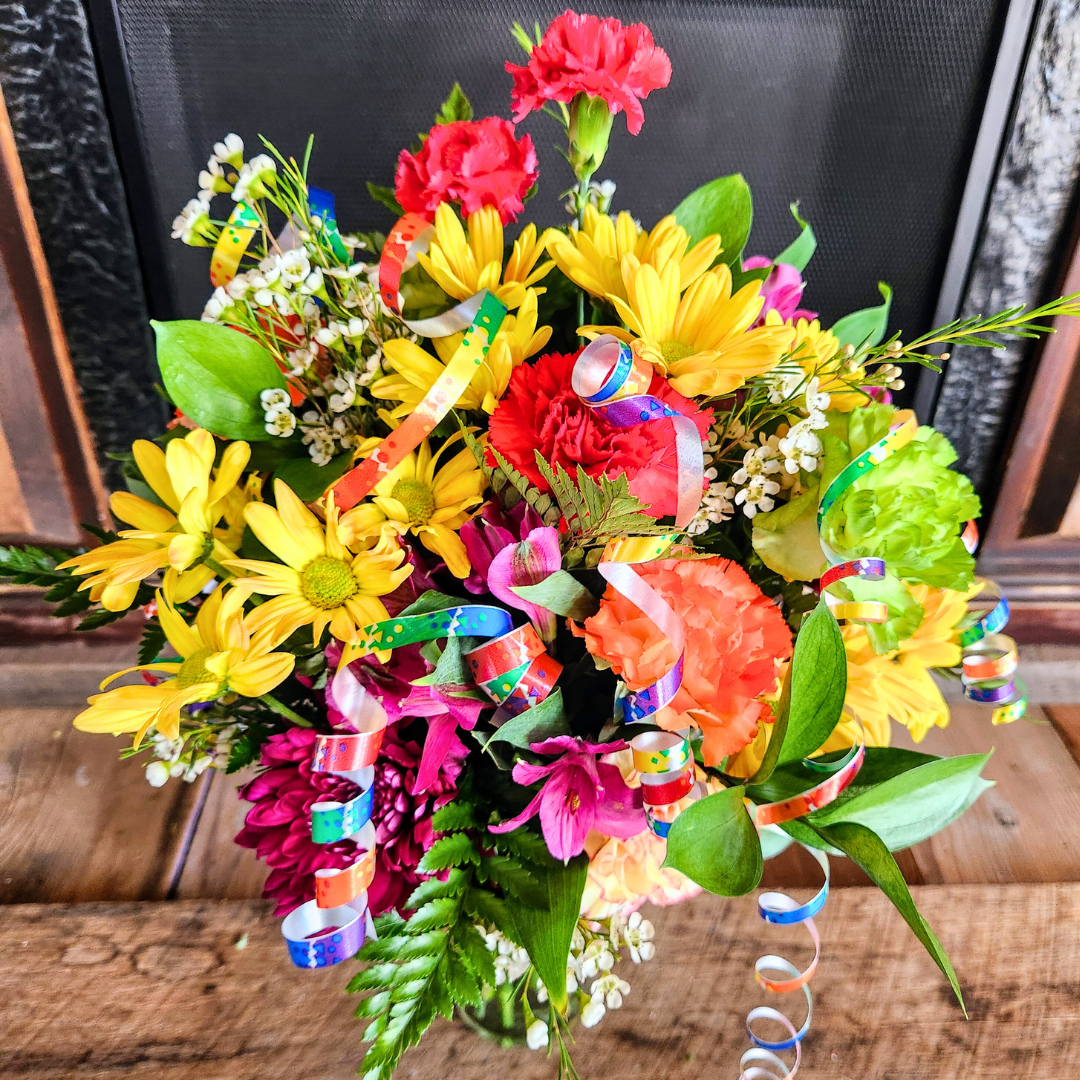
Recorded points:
(215,868)
(163,991)
(1066,721)
(77,823)
(1018,830)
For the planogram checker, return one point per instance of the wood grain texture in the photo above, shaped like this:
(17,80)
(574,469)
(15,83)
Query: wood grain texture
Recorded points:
(77,823)
(1066,721)
(162,991)
(1019,830)
(215,868)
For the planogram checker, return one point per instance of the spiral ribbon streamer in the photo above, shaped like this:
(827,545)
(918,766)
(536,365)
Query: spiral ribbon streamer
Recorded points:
(232,243)
(761,1062)
(868,569)
(989,657)
(615,384)
(480,317)
(334,925)
(617,568)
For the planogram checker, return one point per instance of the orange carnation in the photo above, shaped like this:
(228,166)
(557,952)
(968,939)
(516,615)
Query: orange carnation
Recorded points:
(735,637)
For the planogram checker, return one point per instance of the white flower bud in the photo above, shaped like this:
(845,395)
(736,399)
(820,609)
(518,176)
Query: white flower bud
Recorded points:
(536,1037)
(157,773)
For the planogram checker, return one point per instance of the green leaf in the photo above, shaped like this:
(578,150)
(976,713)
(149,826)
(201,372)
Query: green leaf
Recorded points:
(464,985)
(386,196)
(433,601)
(475,950)
(561,593)
(434,915)
(801,250)
(493,910)
(862,846)
(722,206)
(434,889)
(526,846)
(818,685)
(914,805)
(374,977)
(714,842)
(373,1005)
(309,481)
(452,668)
(546,934)
(865,327)
(452,817)
(779,732)
(534,725)
(215,375)
(455,107)
(515,880)
(452,850)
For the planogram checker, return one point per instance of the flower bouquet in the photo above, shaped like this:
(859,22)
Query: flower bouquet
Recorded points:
(538,580)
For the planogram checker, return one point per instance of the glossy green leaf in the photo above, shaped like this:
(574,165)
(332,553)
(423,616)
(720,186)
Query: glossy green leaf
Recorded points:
(541,722)
(864,847)
(214,375)
(714,843)
(722,206)
(433,600)
(801,250)
(546,934)
(310,481)
(913,805)
(561,593)
(455,107)
(865,327)
(385,196)
(818,685)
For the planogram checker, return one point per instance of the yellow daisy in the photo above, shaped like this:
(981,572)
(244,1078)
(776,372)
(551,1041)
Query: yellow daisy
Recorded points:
(321,583)
(430,504)
(465,259)
(183,534)
(416,370)
(899,684)
(592,256)
(817,352)
(701,338)
(217,655)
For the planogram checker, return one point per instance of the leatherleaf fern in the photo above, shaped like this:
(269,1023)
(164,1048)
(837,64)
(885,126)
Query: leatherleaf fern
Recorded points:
(423,966)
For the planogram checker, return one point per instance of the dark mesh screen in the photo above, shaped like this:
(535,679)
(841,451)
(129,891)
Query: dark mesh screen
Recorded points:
(863,110)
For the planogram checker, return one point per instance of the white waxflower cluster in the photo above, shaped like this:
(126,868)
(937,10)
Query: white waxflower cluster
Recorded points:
(716,504)
(800,446)
(511,961)
(193,225)
(279,418)
(754,478)
(167,762)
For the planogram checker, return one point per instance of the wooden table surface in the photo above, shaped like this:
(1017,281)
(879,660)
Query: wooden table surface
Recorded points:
(159,988)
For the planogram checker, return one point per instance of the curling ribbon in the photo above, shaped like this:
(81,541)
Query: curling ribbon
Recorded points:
(759,1062)
(480,317)
(513,668)
(989,658)
(617,568)
(321,204)
(334,925)
(615,384)
(232,243)
(868,569)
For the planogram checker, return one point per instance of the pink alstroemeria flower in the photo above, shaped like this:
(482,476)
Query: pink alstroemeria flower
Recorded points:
(581,794)
(527,563)
(445,713)
(782,289)
(485,535)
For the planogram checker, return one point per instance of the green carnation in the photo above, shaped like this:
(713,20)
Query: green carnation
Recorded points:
(909,510)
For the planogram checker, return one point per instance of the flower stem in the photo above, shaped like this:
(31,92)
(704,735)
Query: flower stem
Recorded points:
(581,201)
(284,710)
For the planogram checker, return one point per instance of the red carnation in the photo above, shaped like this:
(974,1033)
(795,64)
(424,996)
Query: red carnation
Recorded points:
(583,54)
(472,162)
(541,412)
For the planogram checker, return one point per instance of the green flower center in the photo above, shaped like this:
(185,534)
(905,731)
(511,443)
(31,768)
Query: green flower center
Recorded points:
(674,351)
(417,498)
(327,582)
(193,669)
